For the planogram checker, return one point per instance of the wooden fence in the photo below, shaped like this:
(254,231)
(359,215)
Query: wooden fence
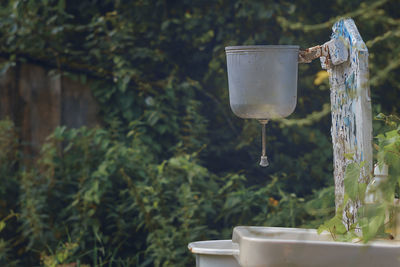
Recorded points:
(38,103)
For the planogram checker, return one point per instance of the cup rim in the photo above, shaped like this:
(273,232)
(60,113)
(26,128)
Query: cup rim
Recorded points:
(250,48)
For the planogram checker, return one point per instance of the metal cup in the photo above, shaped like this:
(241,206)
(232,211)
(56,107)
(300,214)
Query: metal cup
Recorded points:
(262,80)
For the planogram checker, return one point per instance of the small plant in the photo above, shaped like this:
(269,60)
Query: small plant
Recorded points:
(373,219)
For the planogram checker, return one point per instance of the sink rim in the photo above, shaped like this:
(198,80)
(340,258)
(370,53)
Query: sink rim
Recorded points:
(214,247)
(243,233)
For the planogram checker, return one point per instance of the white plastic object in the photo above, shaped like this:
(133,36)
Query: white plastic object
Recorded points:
(215,253)
(381,171)
(373,194)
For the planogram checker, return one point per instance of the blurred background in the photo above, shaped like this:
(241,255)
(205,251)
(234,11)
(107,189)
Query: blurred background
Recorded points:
(117,143)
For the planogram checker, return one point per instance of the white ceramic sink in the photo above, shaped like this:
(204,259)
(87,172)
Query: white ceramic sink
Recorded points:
(253,246)
(273,247)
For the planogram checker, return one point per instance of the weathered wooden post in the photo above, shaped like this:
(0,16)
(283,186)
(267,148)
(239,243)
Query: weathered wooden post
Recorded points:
(351,110)
(345,57)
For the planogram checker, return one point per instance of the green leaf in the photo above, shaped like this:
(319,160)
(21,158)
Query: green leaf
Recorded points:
(362,189)
(372,218)
(334,225)
(2,225)
(351,181)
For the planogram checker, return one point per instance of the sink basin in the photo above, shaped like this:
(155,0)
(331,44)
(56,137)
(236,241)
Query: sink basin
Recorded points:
(253,246)
(273,247)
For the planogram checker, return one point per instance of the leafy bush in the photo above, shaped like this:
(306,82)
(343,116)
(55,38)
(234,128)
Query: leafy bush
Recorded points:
(8,190)
(95,199)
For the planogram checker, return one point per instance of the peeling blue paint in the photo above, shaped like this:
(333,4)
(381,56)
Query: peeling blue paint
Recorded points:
(351,126)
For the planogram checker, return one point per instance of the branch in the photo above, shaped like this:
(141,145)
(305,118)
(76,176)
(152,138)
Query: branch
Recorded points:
(286,24)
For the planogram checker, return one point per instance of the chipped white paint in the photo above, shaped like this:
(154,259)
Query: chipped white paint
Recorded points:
(350,105)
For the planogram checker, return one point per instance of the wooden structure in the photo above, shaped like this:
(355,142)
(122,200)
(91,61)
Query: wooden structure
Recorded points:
(38,103)
(351,109)
(345,57)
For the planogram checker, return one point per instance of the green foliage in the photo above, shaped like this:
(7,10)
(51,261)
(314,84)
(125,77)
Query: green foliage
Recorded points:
(374,219)
(95,199)
(335,226)
(377,219)
(8,191)
(351,184)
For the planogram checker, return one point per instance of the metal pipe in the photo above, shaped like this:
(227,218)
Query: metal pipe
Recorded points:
(264,159)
